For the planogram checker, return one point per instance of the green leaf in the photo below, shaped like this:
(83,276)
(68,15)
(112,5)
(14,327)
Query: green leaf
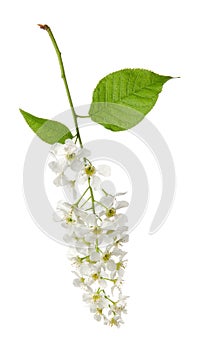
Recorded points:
(49,131)
(123,98)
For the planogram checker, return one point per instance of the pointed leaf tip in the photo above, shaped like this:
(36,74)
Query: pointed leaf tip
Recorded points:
(49,131)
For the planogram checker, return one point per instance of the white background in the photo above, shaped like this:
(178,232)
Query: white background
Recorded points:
(40,308)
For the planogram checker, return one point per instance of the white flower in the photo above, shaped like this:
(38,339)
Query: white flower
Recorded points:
(118,252)
(95,298)
(79,281)
(98,312)
(82,282)
(97,275)
(119,307)
(71,219)
(106,259)
(67,156)
(123,239)
(91,172)
(98,229)
(63,208)
(63,180)
(114,321)
(112,205)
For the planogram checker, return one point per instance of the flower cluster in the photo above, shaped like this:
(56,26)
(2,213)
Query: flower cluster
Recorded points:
(95,229)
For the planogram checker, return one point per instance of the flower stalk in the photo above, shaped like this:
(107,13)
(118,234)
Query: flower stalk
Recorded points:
(63,75)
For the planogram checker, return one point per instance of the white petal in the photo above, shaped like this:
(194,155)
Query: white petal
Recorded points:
(90,238)
(107,201)
(93,308)
(111,265)
(63,206)
(81,230)
(121,219)
(96,182)
(84,269)
(97,317)
(121,204)
(70,147)
(120,194)
(76,282)
(86,297)
(82,179)
(109,187)
(120,272)
(53,166)
(91,220)
(74,193)
(104,170)
(57,148)
(58,216)
(102,283)
(76,165)
(71,188)
(60,180)
(118,252)
(108,239)
(125,239)
(80,248)
(121,229)
(71,175)
(81,213)
(70,143)
(108,225)
(95,256)
(58,166)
